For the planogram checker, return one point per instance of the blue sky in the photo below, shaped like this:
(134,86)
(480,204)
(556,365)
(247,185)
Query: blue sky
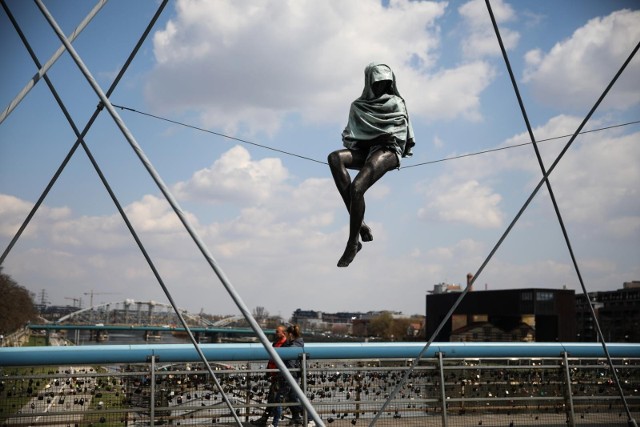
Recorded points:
(282,74)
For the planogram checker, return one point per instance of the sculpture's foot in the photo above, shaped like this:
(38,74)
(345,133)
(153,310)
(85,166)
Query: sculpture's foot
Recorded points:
(349,254)
(365,233)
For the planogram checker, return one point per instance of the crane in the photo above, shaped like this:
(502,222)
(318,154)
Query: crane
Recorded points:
(92,293)
(77,302)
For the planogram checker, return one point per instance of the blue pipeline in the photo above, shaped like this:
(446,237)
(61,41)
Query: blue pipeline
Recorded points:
(113,354)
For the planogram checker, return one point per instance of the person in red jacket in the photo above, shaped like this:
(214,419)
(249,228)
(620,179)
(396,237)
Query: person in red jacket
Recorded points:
(279,341)
(285,391)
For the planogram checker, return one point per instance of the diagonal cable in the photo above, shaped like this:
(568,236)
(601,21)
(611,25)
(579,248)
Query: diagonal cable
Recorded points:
(565,234)
(176,208)
(74,147)
(506,233)
(42,70)
(112,194)
(109,190)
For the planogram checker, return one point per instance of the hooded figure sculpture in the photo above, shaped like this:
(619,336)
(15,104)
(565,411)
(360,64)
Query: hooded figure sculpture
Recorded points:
(378,134)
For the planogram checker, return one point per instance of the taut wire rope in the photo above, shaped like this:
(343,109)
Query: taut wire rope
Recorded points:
(284,371)
(521,144)
(557,210)
(415,362)
(219,134)
(80,138)
(430,162)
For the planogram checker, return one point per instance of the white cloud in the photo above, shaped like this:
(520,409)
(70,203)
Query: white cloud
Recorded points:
(155,214)
(466,202)
(463,249)
(14,211)
(234,178)
(448,93)
(624,226)
(594,182)
(544,273)
(575,71)
(11,210)
(481,40)
(245,66)
(88,232)
(314,195)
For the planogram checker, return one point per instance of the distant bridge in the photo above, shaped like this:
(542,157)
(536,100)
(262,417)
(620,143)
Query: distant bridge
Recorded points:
(124,328)
(147,330)
(131,312)
(151,318)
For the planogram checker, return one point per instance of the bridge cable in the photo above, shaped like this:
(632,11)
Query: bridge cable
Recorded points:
(218,134)
(430,162)
(546,174)
(521,144)
(565,234)
(80,139)
(284,371)
(42,70)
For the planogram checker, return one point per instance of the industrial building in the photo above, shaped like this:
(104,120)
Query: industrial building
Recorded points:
(533,314)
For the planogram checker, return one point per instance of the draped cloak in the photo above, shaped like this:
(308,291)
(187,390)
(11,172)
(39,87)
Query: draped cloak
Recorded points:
(381,118)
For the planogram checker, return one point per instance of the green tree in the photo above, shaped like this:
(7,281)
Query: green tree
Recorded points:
(16,306)
(388,328)
(399,329)
(381,325)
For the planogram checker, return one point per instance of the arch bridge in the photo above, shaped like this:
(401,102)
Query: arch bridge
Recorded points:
(150,318)
(131,312)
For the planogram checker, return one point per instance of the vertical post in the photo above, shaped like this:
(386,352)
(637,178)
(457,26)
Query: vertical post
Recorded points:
(152,399)
(569,397)
(443,394)
(303,375)
(358,377)
(249,392)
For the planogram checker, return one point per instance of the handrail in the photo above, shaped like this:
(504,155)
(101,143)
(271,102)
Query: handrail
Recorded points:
(106,354)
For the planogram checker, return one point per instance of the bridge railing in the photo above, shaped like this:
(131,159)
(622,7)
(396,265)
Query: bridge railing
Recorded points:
(347,384)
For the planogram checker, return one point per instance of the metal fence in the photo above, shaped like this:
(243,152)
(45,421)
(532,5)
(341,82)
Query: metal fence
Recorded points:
(440,391)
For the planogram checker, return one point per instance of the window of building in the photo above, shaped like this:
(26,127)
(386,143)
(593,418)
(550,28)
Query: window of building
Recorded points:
(544,296)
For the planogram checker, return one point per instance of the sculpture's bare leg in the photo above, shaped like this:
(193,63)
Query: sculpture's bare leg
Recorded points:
(371,171)
(339,162)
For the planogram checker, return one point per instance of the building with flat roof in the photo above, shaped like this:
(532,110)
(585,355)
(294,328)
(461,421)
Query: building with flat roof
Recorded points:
(534,314)
(618,314)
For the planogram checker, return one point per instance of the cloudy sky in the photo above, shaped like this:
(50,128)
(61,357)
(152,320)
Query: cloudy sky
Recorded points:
(279,76)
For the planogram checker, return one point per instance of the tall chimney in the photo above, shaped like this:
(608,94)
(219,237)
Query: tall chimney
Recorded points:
(469,279)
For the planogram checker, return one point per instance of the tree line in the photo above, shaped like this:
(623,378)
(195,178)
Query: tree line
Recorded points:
(387,327)
(16,305)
